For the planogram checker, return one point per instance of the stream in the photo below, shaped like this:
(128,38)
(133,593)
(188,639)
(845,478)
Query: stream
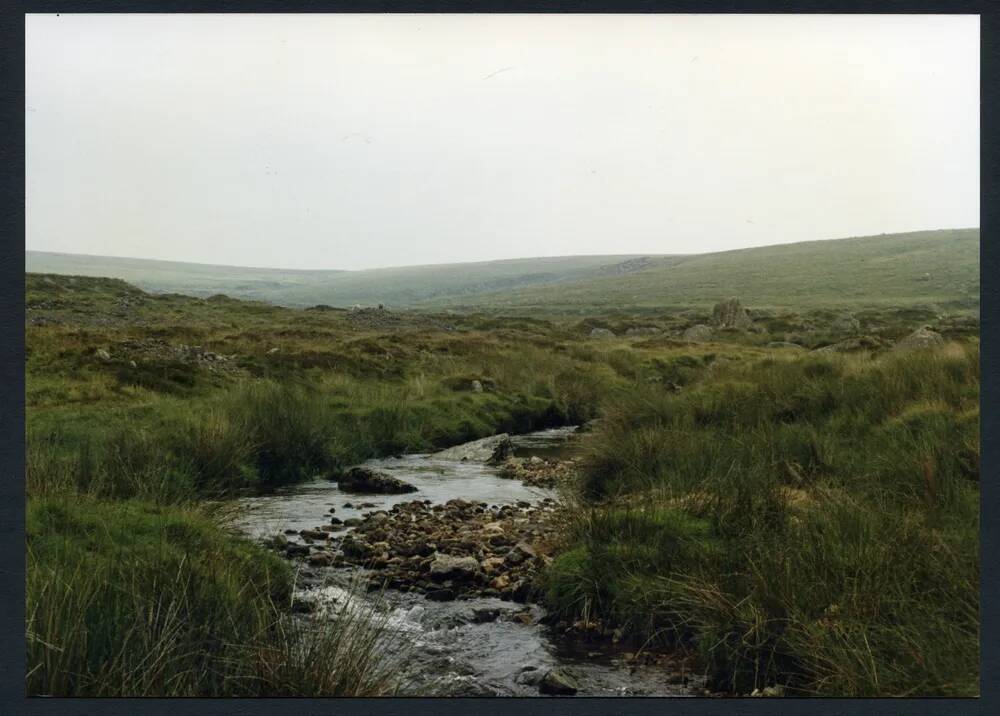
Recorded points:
(449,652)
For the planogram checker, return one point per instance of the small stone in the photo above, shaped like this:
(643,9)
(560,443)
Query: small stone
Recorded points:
(446,566)
(558,682)
(484,615)
(320,559)
(313,534)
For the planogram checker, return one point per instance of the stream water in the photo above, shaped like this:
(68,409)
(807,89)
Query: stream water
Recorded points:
(448,652)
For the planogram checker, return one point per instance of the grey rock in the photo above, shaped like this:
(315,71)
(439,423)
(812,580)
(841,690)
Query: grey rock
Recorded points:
(484,615)
(529,676)
(519,553)
(730,314)
(602,333)
(846,323)
(921,338)
(784,344)
(313,534)
(698,333)
(851,344)
(491,450)
(477,387)
(446,566)
(102,355)
(365,481)
(441,595)
(356,549)
(558,682)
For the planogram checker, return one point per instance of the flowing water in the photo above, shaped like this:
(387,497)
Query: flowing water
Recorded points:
(448,652)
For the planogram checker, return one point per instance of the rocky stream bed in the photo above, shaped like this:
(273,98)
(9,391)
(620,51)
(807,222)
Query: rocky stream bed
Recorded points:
(447,554)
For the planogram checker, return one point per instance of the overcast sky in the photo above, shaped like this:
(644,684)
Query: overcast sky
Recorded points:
(349,141)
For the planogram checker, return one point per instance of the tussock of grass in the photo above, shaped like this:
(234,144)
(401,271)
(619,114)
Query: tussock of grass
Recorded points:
(840,499)
(132,599)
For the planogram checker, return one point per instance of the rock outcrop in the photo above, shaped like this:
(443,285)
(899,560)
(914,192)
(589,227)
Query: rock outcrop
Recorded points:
(731,314)
(921,338)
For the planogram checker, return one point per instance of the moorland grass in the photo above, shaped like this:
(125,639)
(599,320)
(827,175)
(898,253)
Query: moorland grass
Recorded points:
(810,521)
(798,518)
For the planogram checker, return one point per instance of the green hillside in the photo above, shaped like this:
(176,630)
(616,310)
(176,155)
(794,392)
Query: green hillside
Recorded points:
(406,286)
(940,267)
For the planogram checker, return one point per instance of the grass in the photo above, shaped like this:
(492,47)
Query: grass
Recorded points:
(919,268)
(896,269)
(133,588)
(807,520)
(800,518)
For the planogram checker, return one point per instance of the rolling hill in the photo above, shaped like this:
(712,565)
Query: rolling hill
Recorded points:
(939,267)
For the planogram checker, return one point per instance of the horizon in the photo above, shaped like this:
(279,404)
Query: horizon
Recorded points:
(486,261)
(370,142)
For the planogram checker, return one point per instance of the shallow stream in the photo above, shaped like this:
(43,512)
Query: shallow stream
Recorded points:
(448,652)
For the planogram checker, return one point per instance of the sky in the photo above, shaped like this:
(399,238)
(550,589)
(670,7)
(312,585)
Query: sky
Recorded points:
(362,141)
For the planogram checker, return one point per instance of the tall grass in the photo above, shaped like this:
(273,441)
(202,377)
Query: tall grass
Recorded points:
(135,599)
(840,499)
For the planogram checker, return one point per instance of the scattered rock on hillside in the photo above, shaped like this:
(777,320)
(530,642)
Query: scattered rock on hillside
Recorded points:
(784,344)
(921,338)
(377,317)
(363,480)
(602,333)
(698,333)
(102,355)
(491,450)
(731,314)
(851,344)
(846,323)
(642,331)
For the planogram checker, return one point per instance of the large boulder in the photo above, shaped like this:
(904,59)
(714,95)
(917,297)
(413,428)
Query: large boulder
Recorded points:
(730,314)
(362,480)
(492,450)
(459,569)
(602,333)
(698,333)
(921,338)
